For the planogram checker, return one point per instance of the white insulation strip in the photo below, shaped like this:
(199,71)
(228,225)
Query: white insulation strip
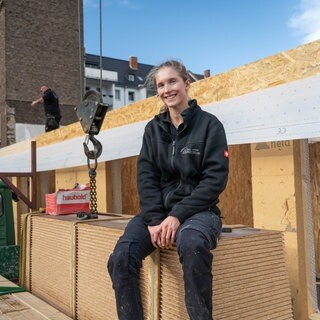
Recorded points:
(286,112)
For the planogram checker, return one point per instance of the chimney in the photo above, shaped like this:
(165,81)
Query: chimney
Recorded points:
(207,73)
(133,63)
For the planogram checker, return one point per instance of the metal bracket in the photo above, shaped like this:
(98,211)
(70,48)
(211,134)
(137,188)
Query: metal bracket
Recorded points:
(91,112)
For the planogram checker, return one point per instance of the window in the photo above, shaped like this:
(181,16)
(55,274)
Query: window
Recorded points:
(131,77)
(92,65)
(117,94)
(131,95)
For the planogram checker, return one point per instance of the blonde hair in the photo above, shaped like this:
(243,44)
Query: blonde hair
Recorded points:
(174,64)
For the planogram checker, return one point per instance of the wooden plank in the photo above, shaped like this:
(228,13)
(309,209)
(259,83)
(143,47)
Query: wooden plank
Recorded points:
(307,297)
(110,188)
(239,188)
(315,194)
(130,198)
(25,306)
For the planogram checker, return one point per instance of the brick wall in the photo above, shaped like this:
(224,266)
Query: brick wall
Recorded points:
(24,113)
(3,132)
(41,43)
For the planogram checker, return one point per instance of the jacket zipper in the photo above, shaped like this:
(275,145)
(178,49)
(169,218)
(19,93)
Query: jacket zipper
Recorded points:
(171,162)
(173,152)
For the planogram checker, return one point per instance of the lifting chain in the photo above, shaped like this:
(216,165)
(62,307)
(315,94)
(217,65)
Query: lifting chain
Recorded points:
(92,155)
(93,193)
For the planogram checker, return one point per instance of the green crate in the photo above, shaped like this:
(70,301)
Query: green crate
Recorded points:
(9,262)
(7,237)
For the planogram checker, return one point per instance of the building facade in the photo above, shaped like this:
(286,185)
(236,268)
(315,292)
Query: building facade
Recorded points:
(41,43)
(122,81)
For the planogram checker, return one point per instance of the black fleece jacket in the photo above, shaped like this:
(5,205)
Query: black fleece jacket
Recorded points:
(182,171)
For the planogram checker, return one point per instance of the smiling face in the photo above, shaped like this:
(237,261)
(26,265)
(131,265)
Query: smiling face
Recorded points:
(172,89)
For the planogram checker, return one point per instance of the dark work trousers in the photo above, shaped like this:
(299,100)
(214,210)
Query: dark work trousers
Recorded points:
(195,238)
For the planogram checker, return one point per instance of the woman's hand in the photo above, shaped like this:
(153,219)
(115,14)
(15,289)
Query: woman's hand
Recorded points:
(155,234)
(163,235)
(169,227)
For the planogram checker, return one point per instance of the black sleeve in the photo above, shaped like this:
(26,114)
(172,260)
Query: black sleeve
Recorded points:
(51,97)
(47,96)
(148,179)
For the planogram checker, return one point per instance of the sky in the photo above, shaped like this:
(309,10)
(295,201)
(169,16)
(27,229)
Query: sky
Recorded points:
(218,35)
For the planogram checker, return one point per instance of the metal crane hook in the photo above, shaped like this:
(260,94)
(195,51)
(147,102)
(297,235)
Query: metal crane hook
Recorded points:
(96,152)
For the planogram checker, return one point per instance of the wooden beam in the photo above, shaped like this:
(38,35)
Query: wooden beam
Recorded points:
(307,302)
(24,305)
(32,174)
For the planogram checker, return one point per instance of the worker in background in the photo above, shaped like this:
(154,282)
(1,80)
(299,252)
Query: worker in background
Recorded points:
(50,101)
(182,170)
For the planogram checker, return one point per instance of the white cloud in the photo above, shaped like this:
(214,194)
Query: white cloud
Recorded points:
(306,22)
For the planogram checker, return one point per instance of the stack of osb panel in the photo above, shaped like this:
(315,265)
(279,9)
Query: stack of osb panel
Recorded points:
(66,265)
(94,294)
(49,261)
(250,279)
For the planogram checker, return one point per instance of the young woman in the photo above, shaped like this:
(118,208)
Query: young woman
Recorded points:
(182,169)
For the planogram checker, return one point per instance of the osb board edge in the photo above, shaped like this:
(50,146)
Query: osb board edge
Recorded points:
(298,63)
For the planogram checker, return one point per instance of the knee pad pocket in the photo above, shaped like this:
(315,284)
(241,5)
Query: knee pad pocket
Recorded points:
(190,237)
(208,224)
(118,263)
(194,250)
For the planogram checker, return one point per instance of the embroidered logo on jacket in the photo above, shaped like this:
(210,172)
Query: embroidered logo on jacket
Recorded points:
(187,150)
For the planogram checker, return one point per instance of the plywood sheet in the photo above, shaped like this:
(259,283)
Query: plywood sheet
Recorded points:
(51,263)
(130,198)
(238,193)
(250,279)
(94,293)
